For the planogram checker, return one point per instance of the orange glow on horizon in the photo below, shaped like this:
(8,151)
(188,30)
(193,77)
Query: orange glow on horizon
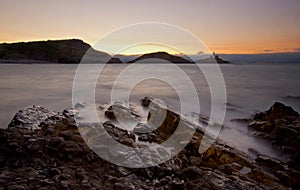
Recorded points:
(247,48)
(226,27)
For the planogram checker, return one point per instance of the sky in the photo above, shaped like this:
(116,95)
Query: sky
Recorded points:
(225,26)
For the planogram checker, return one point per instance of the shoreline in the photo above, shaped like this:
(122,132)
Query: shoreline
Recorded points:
(36,124)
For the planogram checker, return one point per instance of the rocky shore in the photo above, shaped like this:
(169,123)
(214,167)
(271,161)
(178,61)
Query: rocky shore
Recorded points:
(42,149)
(281,125)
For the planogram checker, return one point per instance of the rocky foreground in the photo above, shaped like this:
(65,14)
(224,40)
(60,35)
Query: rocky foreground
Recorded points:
(42,149)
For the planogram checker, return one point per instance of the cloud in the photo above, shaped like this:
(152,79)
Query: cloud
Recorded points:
(268,50)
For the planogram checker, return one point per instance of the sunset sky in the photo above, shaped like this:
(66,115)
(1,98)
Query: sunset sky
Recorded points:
(225,26)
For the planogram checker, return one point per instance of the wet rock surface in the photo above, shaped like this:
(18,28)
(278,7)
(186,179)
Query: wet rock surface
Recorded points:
(53,155)
(281,125)
(119,111)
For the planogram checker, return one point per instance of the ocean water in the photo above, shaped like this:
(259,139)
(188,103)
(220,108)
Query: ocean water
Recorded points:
(250,88)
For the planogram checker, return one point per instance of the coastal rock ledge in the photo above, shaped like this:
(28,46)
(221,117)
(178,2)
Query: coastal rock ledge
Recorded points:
(42,149)
(281,125)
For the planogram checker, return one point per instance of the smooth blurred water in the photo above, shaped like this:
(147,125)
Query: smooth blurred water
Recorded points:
(250,88)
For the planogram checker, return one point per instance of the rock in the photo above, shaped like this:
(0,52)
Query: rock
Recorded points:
(281,125)
(191,173)
(119,134)
(124,185)
(67,135)
(196,161)
(120,112)
(31,117)
(53,172)
(242,120)
(263,126)
(146,101)
(176,184)
(142,128)
(69,148)
(64,184)
(163,121)
(15,187)
(47,182)
(101,107)
(277,111)
(287,136)
(79,106)
(267,162)
(229,168)
(114,60)
(35,117)
(54,156)
(120,109)
(70,113)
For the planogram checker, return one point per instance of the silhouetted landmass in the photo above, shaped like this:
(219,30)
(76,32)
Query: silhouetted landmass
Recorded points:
(220,60)
(72,51)
(114,60)
(54,51)
(213,59)
(163,56)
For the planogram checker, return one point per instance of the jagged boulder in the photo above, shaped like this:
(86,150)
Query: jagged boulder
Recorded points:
(281,125)
(277,111)
(31,117)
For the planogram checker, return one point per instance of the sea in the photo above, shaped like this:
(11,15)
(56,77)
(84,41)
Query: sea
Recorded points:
(250,88)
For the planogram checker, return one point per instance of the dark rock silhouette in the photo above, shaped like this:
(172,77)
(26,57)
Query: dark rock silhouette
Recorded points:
(213,59)
(54,51)
(220,60)
(114,60)
(281,125)
(161,55)
(277,111)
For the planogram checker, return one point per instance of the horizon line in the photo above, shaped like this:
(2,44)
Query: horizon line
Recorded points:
(264,52)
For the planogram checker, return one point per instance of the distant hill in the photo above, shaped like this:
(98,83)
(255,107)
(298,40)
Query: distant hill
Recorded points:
(54,51)
(126,58)
(162,56)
